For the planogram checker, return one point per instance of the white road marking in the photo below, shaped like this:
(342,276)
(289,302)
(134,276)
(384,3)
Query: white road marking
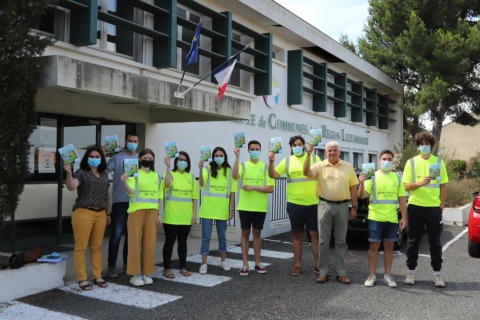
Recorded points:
(125,295)
(271,240)
(15,310)
(204,280)
(215,261)
(286,242)
(263,253)
(449,243)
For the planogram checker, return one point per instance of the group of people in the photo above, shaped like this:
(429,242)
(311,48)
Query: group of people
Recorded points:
(322,196)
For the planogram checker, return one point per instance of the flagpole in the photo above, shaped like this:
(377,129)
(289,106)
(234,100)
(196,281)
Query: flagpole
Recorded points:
(182,94)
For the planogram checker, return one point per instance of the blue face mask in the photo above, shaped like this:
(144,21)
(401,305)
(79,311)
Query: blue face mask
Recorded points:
(132,146)
(219,160)
(94,162)
(386,165)
(182,164)
(254,154)
(298,151)
(425,149)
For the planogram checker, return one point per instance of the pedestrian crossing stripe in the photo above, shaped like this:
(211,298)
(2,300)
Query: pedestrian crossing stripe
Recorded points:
(215,261)
(15,310)
(203,280)
(263,253)
(125,295)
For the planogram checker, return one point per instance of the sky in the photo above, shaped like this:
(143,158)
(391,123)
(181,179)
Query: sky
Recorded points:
(332,17)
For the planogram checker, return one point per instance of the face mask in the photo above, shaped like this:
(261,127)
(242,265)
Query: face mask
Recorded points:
(147,163)
(132,146)
(254,154)
(94,162)
(219,160)
(298,151)
(386,165)
(182,164)
(424,149)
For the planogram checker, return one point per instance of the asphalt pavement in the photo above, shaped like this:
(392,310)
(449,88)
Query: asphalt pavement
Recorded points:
(277,294)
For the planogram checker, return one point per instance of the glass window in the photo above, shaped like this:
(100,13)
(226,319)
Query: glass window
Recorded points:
(186,35)
(320,152)
(55,22)
(345,156)
(43,147)
(372,158)
(357,160)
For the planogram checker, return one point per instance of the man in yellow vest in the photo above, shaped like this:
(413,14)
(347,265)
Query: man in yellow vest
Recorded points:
(425,176)
(302,199)
(386,191)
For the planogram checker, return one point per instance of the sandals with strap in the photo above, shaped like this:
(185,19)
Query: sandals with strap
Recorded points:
(167,273)
(185,272)
(100,282)
(86,286)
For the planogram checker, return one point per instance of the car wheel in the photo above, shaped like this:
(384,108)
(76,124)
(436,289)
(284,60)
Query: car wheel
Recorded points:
(473,249)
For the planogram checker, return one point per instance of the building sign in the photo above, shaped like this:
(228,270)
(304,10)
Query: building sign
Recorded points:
(272,122)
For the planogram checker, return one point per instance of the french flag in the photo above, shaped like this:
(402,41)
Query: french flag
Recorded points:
(223,73)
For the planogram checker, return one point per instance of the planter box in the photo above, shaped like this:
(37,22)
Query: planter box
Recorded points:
(456,216)
(32,278)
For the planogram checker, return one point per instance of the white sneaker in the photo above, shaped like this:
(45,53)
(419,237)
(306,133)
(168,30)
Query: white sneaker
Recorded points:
(225,266)
(203,269)
(137,281)
(370,281)
(439,283)
(410,279)
(147,279)
(389,281)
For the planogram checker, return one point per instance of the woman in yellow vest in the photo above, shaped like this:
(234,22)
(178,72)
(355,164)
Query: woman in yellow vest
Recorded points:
(180,212)
(218,203)
(144,190)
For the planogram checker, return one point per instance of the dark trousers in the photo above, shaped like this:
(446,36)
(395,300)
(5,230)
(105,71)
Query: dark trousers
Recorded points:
(118,226)
(175,232)
(419,219)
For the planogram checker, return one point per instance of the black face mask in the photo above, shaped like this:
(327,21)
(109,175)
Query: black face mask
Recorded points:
(147,163)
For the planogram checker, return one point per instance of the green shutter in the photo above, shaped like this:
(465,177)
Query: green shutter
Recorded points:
(165,48)
(263,82)
(295,77)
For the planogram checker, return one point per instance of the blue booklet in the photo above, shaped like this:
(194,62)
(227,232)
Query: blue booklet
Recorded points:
(53,257)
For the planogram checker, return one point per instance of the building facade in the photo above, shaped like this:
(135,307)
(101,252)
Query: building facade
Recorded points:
(116,68)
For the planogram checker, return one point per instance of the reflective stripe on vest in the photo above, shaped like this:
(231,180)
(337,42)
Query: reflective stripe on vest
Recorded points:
(169,195)
(287,163)
(136,197)
(213,194)
(435,184)
(374,200)
(264,177)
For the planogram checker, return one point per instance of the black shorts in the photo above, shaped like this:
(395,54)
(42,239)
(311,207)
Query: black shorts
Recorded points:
(301,216)
(249,219)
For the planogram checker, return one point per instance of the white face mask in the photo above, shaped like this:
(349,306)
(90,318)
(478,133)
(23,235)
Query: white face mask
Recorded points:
(386,165)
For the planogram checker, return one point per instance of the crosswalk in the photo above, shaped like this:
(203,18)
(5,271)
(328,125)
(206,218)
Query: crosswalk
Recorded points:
(140,297)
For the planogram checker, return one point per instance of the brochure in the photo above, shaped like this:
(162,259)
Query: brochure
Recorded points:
(316,136)
(130,166)
(111,144)
(276,145)
(434,170)
(369,170)
(54,257)
(206,153)
(171,149)
(239,138)
(68,154)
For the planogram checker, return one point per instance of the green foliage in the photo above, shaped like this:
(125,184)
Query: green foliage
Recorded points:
(459,192)
(432,48)
(473,166)
(347,43)
(18,75)
(458,166)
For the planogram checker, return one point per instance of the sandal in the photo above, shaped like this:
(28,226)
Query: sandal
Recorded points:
(86,286)
(185,272)
(100,282)
(167,273)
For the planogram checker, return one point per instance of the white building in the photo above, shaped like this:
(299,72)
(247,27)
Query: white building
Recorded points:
(116,67)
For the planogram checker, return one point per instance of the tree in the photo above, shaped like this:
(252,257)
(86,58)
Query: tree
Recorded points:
(19,68)
(347,43)
(432,48)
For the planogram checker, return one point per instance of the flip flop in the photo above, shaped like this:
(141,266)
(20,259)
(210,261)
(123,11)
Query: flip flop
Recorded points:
(168,274)
(100,282)
(85,287)
(185,272)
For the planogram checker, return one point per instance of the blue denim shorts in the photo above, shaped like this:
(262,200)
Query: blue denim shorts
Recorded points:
(382,231)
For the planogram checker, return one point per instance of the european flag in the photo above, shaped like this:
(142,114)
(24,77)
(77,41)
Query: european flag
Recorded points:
(192,55)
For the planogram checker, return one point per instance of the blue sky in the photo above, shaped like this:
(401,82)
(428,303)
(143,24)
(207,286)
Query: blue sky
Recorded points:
(331,16)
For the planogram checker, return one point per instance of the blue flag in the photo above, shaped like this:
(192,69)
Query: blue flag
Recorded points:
(192,55)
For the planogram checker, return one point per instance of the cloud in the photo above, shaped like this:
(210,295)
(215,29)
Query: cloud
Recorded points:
(331,16)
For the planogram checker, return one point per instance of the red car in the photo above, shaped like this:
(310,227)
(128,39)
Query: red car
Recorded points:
(474,228)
